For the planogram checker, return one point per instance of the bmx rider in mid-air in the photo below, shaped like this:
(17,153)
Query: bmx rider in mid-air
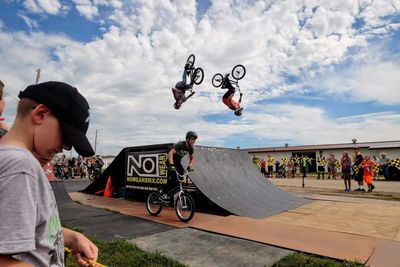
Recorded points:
(227,98)
(181,87)
(175,155)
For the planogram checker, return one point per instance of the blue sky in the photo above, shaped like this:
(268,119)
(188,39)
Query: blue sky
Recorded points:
(317,71)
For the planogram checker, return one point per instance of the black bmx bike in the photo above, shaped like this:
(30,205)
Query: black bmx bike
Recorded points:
(182,202)
(94,173)
(238,72)
(196,74)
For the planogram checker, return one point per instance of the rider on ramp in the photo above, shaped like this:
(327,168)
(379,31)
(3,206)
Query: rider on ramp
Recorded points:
(175,155)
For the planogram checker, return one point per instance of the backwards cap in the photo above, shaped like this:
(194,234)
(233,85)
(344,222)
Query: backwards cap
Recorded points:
(69,107)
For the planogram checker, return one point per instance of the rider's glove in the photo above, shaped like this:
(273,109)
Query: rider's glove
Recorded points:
(241,94)
(172,167)
(189,169)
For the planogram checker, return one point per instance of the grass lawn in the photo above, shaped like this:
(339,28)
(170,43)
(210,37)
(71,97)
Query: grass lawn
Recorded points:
(305,260)
(124,254)
(120,253)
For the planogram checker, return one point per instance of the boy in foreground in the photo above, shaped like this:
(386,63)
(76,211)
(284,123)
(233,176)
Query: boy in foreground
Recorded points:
(51,116)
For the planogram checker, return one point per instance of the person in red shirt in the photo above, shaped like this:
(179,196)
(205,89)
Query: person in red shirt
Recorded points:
(227,98)
(263,166)
(368,172)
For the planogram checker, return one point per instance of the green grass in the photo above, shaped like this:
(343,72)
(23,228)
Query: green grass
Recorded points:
(121,253)
(305,260)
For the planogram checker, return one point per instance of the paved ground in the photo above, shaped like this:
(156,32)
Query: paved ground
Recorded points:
(189,246)
(312,182)
(325,227)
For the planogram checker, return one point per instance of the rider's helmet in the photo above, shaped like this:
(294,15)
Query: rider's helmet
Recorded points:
(191,134)
(177,105)
(238,112)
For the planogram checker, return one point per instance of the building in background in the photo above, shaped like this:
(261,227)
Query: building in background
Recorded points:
(391,148)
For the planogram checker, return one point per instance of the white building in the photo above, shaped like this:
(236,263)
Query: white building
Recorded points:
(391,148)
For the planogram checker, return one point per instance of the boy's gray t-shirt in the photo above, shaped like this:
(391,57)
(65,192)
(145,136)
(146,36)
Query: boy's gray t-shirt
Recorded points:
(30,228)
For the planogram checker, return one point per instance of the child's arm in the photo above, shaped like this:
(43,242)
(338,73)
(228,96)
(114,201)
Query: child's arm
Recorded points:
(7,260)
(81,245)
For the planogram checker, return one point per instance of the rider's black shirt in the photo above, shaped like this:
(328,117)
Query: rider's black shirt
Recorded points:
(181,150)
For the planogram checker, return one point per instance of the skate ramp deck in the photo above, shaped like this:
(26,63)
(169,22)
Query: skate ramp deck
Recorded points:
(70,210)
(229,178)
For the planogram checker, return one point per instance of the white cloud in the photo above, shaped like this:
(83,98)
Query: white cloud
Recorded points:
(87,9)
(127,72)
(43,6)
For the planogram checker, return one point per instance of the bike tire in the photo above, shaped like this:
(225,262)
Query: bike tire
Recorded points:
(184,207)
(217,80)
(92,177)
(190,60)
(198,76)
(238,72)
(153,207)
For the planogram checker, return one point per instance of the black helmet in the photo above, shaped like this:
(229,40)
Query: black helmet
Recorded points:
(191,134)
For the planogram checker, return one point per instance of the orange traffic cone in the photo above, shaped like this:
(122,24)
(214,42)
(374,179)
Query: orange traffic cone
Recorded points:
(108,192)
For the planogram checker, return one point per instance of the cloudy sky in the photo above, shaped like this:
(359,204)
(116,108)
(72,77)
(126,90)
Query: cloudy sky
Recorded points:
(318,71)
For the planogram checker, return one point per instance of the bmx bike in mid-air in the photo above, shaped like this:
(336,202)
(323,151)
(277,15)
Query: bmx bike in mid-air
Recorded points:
(238,72)
(182,202)
(197,74)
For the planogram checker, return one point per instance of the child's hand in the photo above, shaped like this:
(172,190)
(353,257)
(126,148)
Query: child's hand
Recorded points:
(82,247)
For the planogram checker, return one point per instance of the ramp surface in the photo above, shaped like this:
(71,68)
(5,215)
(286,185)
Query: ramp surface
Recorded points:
(103,224)
(229,178)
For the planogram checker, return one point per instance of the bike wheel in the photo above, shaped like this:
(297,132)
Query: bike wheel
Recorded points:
(217,80)
(190,60)
(184,207)
(153,204)
(198,76)
(92,176)
(238,72)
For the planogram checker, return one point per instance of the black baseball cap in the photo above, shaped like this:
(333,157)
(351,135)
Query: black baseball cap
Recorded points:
(69,107)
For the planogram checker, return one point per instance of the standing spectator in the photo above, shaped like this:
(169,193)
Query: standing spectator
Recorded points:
(290,167)
(321,165)
(346,167)
(331,166)
(270,161)
(263,166)
(368,172)
(3,125)
(358,170)
(277,166)
(384,163)
(296,165)
(303,165)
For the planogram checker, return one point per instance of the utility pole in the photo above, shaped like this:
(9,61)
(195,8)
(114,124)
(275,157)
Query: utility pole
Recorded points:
(95,142)
(37,76)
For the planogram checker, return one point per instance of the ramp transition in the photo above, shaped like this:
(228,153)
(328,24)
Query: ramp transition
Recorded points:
(230,180)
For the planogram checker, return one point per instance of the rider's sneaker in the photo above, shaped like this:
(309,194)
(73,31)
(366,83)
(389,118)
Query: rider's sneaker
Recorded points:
(164,198)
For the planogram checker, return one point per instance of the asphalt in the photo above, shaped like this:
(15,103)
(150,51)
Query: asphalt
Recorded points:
(192,247)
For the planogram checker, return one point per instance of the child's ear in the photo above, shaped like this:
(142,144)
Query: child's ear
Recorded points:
(39,113)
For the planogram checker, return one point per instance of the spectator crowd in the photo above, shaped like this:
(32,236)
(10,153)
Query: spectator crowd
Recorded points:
(70,167)
(362,169)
